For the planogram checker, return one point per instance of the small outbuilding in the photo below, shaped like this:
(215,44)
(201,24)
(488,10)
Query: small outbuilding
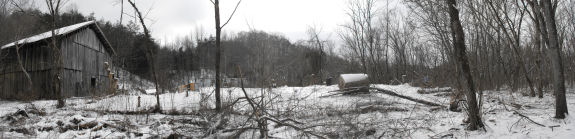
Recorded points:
(84,49)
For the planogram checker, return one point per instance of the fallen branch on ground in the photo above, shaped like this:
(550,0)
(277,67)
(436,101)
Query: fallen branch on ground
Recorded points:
(434,90)
(391,93)
(526,117)
(280,123)
(361,90)
(349,91)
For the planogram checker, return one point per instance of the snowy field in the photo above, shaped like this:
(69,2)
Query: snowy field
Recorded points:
(371,115)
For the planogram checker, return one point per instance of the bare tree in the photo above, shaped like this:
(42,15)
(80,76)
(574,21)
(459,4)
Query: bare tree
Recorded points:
(538,22)
(19,6)
(315,41)
(216,4)
(556,61)
(433,16)
(510,22)
(361,15)
(54,7)
(149,54)
(31,85)
(545,16)
(461,55)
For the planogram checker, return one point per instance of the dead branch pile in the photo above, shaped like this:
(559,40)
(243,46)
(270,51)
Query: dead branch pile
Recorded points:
(258,119)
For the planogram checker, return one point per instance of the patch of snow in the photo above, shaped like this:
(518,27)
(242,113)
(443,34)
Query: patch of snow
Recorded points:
(390,116)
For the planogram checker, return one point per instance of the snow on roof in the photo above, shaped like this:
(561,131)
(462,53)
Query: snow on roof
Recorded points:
(46,35)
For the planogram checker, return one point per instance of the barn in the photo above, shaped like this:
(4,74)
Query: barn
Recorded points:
(84,49)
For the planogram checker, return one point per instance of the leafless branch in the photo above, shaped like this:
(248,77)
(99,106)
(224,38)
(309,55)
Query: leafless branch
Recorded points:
(232,15)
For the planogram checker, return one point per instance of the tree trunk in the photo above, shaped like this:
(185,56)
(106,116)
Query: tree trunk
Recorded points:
(539,65)
(460,54)
(56,71)
(29,79)
(539,48)
(541,34)
(556,62)
(218,53)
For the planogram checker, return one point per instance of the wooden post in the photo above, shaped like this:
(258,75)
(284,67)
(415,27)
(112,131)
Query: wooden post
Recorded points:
(191,88)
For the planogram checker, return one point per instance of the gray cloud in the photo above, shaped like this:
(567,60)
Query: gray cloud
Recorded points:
(173,18)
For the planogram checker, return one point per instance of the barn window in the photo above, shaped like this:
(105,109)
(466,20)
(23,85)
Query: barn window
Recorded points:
(93,82)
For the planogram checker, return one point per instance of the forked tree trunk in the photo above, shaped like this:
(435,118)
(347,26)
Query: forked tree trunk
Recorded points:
(461,57)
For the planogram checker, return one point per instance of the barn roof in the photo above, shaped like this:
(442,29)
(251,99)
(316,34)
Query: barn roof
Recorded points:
(65,31)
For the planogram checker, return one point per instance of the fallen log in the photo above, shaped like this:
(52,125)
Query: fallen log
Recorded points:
(434,90)
(360,90)
(391,93)
(349,91)
(353,80)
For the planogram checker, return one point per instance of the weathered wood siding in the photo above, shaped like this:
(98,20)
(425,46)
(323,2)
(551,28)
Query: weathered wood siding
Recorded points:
(83,57)
(14,83)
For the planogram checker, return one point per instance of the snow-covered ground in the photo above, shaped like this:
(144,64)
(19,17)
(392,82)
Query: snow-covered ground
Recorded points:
(371,115)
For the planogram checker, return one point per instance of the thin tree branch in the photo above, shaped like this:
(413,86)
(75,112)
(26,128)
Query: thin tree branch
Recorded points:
(236,8)
(17,6)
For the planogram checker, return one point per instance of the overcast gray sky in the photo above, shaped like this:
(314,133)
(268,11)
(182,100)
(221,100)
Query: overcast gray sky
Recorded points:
(169,19)
(172,18)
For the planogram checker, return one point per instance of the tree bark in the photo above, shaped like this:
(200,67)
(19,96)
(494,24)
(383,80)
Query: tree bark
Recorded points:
(218,54)
(56,71)
(556,62)
(461,55)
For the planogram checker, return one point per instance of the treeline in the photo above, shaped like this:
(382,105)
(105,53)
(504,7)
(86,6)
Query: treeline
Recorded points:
(262,57)
(266,58)
(503,42)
